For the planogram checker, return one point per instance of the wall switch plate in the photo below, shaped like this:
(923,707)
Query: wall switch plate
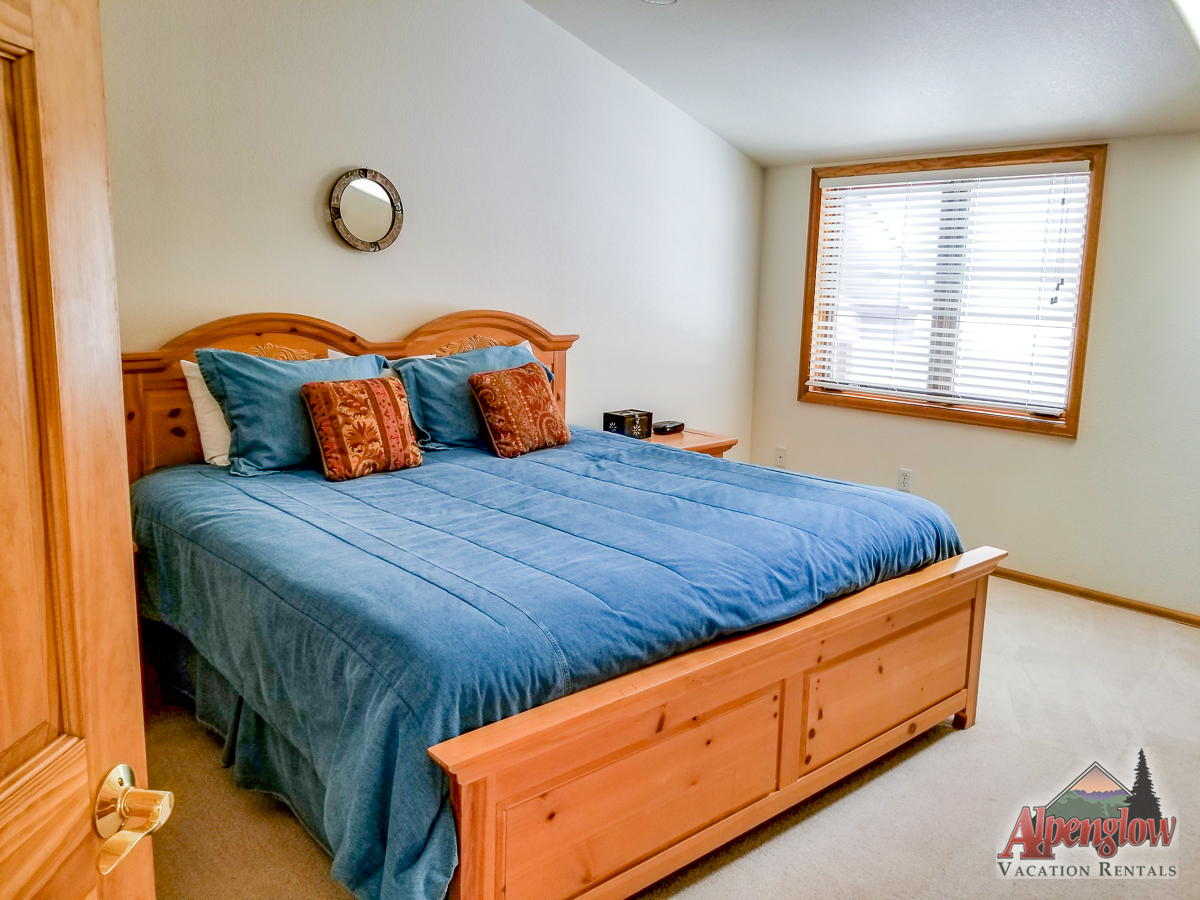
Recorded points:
(781,457)
(904,481)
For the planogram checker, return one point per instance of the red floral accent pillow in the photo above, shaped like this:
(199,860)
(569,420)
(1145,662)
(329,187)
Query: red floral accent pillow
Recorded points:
(362,427)
(519,410)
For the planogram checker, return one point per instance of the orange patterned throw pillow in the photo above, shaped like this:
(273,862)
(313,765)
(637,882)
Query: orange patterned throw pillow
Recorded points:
(519,410)
(362,427)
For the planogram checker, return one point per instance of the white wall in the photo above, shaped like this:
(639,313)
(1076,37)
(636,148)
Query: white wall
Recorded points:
(1118,509)
(536,177)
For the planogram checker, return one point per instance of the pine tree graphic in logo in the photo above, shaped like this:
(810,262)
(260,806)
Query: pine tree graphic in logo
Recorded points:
(1142,801)
(1097,811)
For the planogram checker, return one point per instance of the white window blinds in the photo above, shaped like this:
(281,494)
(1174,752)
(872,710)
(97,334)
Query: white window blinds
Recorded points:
(952,287)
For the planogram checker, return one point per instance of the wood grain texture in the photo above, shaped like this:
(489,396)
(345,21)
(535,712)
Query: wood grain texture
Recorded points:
(582,831)
(1063,587)
(1083,315)
(44,818)
(89,623)
(1080,153)
(16,27)
(929,410)
(810,283)
(690,849)
(1066,425)
(28,681)
(697,441)
(98,614)
(601,793)
(160,424)
(15,752)
(74,878)
(965,717)
(857,697)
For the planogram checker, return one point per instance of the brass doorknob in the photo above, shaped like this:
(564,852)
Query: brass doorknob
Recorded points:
(119,803)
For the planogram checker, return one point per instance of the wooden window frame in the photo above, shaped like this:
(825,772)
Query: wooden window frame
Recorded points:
(1067,424)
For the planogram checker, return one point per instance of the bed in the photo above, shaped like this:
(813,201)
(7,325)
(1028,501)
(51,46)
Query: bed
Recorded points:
(622,658)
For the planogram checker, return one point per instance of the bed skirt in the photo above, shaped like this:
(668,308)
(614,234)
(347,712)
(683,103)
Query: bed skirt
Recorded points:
(262,759)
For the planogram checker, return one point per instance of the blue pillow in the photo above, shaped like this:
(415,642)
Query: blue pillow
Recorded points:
(440,400)
(268,423)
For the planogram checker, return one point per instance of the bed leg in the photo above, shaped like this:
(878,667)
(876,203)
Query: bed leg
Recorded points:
(965,718)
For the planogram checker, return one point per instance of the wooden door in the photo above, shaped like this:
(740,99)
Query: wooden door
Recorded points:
(70,689)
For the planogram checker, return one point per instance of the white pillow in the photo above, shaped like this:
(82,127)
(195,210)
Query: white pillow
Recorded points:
(388,372)
(338,354)
(214,430)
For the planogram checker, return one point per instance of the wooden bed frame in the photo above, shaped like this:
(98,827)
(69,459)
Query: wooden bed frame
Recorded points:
(160,426)
(603,792)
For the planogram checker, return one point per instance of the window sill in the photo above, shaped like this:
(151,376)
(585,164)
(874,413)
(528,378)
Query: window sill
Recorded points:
(1066,426)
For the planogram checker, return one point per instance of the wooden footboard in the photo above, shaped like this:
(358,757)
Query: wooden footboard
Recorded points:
(604,792)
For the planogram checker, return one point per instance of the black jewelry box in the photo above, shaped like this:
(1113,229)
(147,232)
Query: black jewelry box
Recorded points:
(635,423)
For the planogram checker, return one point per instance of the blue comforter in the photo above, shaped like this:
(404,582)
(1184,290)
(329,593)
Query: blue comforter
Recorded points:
(370,619)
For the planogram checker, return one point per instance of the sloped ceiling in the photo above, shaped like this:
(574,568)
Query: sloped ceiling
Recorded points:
(823,80)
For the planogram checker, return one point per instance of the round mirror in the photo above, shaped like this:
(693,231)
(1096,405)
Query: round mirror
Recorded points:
(366,210)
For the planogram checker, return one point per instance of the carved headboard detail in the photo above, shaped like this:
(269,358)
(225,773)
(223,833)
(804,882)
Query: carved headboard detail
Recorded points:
(475,342)
(160,426)
(272,351)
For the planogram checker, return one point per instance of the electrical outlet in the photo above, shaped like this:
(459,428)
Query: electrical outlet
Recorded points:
(781,457)
(904,481)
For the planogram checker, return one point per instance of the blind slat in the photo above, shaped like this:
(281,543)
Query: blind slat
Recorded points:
(958,291)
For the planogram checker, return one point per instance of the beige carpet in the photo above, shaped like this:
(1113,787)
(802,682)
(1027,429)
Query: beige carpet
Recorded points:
(221,842)
(1064,683)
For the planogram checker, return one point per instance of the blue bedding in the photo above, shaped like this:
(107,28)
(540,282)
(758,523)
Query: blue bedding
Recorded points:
(368,620)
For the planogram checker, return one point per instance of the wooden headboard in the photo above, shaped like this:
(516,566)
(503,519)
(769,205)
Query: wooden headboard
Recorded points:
(160,426)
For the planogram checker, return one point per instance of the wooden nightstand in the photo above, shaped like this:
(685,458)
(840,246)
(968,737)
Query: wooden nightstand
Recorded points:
(698,441)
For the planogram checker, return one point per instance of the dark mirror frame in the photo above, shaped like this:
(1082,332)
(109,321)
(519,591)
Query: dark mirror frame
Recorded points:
(335,210)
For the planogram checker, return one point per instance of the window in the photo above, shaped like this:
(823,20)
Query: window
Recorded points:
(954,288)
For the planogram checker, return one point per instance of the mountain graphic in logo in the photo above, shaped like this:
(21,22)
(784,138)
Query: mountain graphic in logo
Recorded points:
(1095,811)
(1093,795)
